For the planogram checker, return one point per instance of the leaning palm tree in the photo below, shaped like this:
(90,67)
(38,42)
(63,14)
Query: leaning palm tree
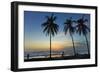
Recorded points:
(50,27)
(82,28)
(68,27)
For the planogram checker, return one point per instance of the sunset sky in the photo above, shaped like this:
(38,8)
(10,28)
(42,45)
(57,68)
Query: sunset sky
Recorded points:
(36,40)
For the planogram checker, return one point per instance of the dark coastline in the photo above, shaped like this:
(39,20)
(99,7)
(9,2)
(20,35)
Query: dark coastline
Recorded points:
(85,56)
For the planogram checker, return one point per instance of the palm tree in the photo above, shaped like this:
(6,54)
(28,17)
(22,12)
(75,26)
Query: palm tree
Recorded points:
(82,28)
(50,27)
(68,26)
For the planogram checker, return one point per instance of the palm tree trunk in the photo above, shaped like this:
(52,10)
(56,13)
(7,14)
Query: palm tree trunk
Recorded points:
(73,44)
(50,45)
(87,44)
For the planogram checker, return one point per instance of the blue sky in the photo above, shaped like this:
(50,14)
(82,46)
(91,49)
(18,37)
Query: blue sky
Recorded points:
(33,32)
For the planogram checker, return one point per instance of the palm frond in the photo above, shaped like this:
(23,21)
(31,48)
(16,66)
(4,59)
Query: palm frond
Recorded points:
(54,18)
(45,29)
(44,24)
(81,27)
(50,27)
(85,20)
(68,26)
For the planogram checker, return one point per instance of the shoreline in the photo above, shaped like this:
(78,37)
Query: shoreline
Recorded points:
(59,58)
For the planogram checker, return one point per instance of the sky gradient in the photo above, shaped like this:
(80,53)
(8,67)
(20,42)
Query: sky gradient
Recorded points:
(36,40)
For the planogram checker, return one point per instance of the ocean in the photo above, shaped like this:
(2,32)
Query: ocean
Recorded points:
(46,54)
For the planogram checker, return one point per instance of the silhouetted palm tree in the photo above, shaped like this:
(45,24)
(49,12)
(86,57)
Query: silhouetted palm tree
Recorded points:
(50,27)
(68,27)
(82,28)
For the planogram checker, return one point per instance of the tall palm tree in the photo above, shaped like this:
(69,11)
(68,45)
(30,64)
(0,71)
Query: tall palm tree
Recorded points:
(50,27)
(68,27)
(82,28)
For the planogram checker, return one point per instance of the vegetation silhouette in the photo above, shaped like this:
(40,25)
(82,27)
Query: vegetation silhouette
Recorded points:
(68,27)
(50,27)
(82,28)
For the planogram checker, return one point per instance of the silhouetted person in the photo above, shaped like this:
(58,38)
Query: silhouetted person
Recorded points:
(27,56)
(63,54)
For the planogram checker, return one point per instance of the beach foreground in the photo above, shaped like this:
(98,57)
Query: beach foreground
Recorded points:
(84,56)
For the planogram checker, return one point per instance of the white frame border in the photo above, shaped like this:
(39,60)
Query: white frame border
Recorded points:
(22,64)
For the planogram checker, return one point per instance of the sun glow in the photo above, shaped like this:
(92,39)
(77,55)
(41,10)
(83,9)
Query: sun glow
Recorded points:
(56,46)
